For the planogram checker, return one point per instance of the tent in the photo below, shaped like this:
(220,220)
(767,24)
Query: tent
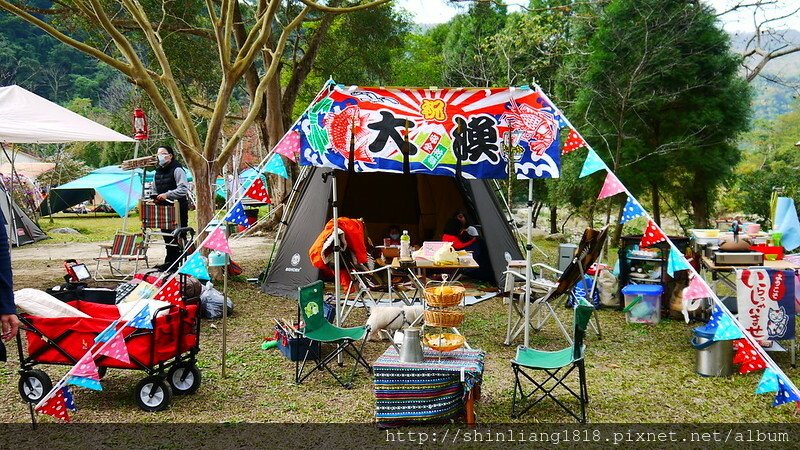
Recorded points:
(26,118)
(20,228)
(116,186)
(418,203)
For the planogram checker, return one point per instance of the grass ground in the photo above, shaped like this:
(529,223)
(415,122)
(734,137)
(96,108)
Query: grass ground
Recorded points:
(635,373)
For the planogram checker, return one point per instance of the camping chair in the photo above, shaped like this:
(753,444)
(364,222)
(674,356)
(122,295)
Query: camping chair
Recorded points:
(157,217)
(369,288)
(318,329)
(125,248)
(557,366)
(546,291)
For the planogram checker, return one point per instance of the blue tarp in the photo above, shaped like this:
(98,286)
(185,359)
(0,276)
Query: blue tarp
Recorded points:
(246,178)
(121,191)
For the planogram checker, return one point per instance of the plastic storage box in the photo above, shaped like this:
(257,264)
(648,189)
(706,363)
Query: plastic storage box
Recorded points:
(643,303)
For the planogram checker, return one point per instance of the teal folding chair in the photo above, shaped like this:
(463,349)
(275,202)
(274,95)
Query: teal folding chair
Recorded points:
(557,366)
(318,329)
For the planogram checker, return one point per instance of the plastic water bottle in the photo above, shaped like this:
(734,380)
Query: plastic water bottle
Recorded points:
(405,245)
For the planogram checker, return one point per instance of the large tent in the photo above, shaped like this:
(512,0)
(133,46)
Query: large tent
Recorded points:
(121,189)
(416,202)
(20,228)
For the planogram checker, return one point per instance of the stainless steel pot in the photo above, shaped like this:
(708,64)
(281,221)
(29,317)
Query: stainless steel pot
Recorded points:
(714,358)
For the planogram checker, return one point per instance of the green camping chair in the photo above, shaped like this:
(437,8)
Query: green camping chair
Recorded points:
(318,329)
(558,366)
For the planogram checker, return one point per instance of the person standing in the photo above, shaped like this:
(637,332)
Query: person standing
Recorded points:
(9,324)
(172,185)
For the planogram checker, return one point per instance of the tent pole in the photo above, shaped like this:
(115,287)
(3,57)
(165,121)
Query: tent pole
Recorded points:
(528,274)
(128,201)
(336,267)
(12,221)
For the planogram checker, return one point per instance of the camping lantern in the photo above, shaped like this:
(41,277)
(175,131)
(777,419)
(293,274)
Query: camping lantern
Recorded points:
(139,125)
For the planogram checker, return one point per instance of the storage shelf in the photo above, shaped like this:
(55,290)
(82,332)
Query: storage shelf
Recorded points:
(642,258)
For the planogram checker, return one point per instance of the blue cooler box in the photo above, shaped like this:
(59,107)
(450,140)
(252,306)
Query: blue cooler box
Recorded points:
(642,303)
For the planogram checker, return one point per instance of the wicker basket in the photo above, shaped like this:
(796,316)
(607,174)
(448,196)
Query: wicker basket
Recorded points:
(443,318)
(444,296)
(445,342)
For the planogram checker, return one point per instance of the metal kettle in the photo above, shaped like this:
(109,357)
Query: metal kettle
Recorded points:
(411,350)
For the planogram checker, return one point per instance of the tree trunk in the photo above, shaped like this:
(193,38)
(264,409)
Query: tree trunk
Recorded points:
(553,219)
(656,204)
(700,210)
(205,199)
(279,187)
(617,233)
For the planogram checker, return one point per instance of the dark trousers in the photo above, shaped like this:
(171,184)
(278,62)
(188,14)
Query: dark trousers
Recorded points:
(174,245)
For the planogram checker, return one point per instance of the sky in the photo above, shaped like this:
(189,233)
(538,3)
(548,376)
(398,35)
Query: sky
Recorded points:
(439,11)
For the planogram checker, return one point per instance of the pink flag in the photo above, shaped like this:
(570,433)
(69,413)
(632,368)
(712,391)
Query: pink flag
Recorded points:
(86,367)
(289,146)
(257,191)
(116,348)
(55,406)
(170,292)
(612,186)
(217,241)
(697,289)
(651,235)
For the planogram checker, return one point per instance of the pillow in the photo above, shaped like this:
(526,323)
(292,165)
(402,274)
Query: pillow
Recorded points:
(154,305)
(41,304)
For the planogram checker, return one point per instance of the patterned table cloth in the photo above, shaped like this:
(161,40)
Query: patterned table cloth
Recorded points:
(432,390)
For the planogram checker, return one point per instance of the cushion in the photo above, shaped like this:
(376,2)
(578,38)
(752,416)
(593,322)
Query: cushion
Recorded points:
(41,304)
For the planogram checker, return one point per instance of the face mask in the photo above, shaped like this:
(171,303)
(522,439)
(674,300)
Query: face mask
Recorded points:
(162,159)
(394,236)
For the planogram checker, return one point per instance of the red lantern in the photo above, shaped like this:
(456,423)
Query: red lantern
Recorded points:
(139,125)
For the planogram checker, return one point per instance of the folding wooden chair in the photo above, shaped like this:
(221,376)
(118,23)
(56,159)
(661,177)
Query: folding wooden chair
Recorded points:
(546,291)
(126,249)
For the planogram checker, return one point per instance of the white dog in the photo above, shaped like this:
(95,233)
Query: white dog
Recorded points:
(391,319)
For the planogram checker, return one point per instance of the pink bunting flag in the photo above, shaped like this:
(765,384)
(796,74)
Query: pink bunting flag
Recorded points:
(171,292)
(86,367)
(116,348)
(697,289)
(652,235)
(55,406)
(612,186)
(574,141)
(289,146)
(217,241)
(257,191)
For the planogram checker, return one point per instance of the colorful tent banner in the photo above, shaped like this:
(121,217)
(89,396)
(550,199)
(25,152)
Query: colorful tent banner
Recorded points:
(196,266)
(631,211)
(438,131)
(592,164)
(676,261)
(766,297)
(216,240)
(611,187)
(275,165)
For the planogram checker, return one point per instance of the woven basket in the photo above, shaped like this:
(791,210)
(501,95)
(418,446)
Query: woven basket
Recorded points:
(445,342)
(444,296)
(443,318)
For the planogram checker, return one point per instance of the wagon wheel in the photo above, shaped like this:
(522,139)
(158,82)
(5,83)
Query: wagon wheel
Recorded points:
(34,385)
(184,378)
(152,394)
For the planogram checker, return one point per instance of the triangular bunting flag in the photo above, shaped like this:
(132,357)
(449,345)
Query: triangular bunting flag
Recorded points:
(171,292)
(106,334)
(631,211)
(69,401)
(676,261)
(116,348)
(87,383)
(237,215)
(289,146)
(55,406)
(562,121)
(275,165)
(697,289)
(739,355)
(768,382)
(258,191)
(748,357)
(713,322)
(142,319)
(85,367)
(216,240)
(574,141)
(592,164)
(652,235)
(785,393)
(196,267)
(727,329)
(612,186)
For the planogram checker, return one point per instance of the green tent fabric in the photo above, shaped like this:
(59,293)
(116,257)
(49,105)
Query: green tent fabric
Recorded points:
(121,191)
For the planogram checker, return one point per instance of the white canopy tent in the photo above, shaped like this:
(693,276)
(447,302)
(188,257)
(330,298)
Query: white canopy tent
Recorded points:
(26,118)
